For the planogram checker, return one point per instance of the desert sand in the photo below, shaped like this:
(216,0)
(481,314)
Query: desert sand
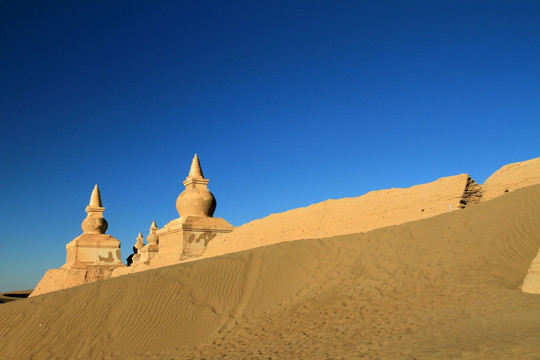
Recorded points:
(443,287)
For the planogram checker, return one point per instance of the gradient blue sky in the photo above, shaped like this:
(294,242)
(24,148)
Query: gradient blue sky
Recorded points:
(287,104)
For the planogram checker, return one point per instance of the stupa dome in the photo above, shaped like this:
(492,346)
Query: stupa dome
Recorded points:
(152,237)
(196,199)
(94,223)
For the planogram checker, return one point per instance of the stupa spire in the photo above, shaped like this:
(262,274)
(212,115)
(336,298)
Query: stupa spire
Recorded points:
(140,242)
(152,237)
(94,222)
(95,198)
(195,172)
(196,200)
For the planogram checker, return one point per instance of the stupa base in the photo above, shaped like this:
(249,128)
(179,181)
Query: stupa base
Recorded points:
(188,237)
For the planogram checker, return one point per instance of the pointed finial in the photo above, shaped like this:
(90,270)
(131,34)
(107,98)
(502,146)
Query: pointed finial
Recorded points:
(153,238)
(95,198)
(195,178)
(94,223)
(195,172)
(140,242)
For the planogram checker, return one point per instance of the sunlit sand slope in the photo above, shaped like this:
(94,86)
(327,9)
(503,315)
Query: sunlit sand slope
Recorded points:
(373,210)
(443,287)
(511,177)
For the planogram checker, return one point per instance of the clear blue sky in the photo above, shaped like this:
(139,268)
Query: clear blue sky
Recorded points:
(287,103)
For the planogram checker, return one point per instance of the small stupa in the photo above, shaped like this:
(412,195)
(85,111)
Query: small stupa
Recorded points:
(139,244)
(93,247)
(91,256)
(150,251)
(188,235)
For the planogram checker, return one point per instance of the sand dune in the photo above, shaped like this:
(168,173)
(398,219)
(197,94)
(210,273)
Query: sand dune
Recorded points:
(373,210)
(443,287)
